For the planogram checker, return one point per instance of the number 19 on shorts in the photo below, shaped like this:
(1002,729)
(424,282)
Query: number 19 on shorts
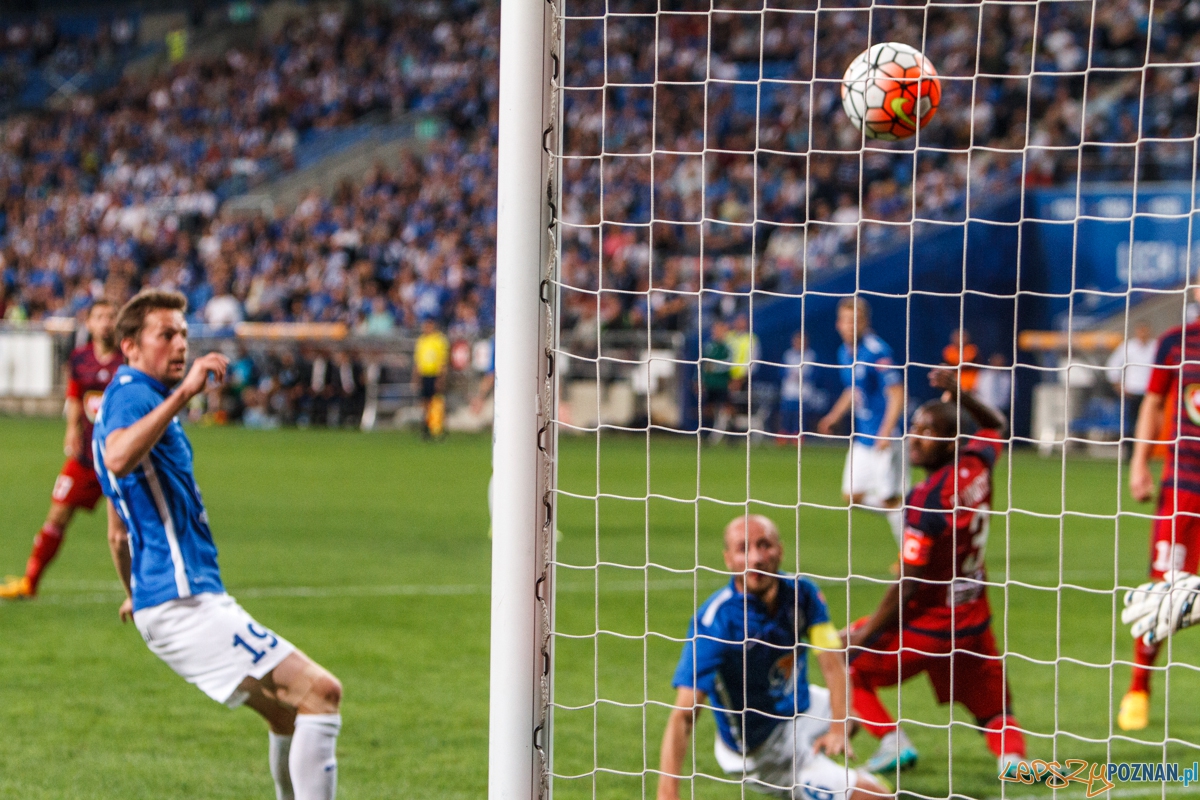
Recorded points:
(258,638)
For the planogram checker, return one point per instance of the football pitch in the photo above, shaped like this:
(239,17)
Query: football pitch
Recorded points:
(370,552)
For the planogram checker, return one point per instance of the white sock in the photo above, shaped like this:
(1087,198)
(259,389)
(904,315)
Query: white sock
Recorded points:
(895,519)
(278,758)
(313,760)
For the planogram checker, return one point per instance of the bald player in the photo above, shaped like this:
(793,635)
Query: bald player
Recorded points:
(746,658)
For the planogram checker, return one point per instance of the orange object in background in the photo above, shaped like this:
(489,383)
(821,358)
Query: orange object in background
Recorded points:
(435,418)
(969,359)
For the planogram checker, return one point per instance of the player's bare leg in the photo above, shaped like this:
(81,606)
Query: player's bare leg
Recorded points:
(1134,714)
(895,750)
(301,701)
(45,547)
(281,719)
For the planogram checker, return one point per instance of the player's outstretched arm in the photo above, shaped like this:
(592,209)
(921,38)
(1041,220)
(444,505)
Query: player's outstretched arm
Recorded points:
(984,415)
(1141,483)
(825,426)
(73,439)
(118,545)
(833,667)
(891,415)
(126,447)
(887,614)
(1158,609)
(676,739)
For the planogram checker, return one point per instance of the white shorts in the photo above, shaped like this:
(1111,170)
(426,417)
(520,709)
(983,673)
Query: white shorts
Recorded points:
(877,475)
(785,764)
(210,641)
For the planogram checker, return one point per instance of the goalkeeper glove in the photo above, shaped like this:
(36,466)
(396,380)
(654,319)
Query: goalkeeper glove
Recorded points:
(1156,610)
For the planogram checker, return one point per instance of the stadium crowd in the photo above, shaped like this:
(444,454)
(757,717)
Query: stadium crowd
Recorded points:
(121,190)
(123,187)
(63,50)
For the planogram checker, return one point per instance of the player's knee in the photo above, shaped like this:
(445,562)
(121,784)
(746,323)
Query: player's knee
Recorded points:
(324,695)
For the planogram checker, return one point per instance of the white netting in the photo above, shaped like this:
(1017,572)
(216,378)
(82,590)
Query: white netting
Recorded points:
(707,175)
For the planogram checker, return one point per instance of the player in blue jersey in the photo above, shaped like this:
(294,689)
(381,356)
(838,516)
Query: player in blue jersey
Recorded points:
(746,658)
(166,558)
(876,472)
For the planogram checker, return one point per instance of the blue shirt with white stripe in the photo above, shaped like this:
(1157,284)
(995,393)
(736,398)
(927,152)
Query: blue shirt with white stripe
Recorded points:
(869,369)
(172,548)
(751,661)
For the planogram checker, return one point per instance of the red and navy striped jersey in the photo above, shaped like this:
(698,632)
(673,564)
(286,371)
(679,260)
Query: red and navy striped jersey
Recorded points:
(89,378)
(1177,374)
(946,522)
(1177,366)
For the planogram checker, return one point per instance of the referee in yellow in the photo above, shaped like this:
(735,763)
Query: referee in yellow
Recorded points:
(430,360)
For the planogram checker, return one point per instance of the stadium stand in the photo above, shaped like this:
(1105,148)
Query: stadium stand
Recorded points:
(122,188)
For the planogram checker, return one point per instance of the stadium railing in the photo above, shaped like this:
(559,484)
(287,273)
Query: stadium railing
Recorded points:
(33,357)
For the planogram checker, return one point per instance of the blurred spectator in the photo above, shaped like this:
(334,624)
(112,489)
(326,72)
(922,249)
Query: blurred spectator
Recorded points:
(993,386)
(1128,370)
(797,360)
(962,353)
(335,388)
(380,321)
(743,348)
(223,310)
(715,364)
(430,361)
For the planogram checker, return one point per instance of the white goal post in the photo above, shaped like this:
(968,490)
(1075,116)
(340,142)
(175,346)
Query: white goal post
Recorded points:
(520,662)
(679,187)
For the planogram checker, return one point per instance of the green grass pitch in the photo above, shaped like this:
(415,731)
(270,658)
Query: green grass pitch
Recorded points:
(371,553)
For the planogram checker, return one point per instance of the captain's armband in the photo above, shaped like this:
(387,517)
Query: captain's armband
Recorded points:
(824,636)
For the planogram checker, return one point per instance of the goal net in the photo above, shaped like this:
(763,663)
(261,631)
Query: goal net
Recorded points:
(710,206)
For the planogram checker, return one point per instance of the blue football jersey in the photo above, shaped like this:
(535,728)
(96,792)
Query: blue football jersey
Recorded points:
(869,372)
(750,662)
(171,546)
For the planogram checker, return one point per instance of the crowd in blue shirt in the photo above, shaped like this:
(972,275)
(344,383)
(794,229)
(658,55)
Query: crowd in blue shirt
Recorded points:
(119,191)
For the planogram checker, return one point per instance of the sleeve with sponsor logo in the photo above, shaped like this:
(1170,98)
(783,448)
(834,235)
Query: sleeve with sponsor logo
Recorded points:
(915,547)
(924,521)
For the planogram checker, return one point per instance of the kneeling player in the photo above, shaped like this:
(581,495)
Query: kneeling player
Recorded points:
(936,619)
(165,556)
(92,367)
(746,659)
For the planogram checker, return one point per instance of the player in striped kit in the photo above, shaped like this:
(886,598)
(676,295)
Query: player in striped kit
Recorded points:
(1175,532)
(936,619)
(91,368)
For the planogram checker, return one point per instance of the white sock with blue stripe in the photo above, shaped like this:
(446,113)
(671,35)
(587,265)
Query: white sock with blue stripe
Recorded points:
(278,759)
(313,759)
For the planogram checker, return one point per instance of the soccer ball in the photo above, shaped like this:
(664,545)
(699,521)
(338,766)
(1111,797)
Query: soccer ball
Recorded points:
(890,91)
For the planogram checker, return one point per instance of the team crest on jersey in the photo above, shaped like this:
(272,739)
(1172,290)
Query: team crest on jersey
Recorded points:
(1191,402)
(91,405)
(782,676)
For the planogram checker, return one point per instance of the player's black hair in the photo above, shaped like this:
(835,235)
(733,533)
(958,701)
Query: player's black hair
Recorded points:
(132,316)
(943,415)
